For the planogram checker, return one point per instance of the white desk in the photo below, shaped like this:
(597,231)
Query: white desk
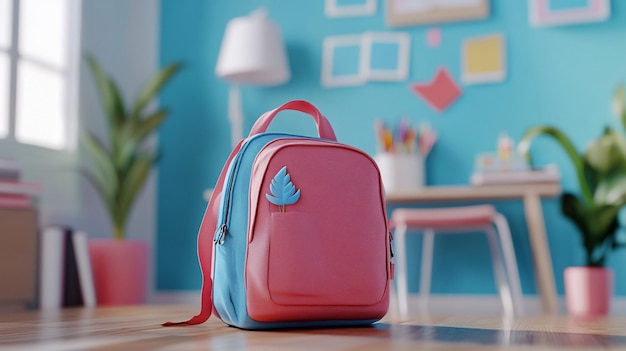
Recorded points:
(531,195)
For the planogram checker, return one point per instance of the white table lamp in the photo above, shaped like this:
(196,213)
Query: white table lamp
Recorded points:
(253,53)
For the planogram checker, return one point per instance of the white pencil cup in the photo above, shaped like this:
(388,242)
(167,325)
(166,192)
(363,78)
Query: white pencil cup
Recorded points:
(401,171)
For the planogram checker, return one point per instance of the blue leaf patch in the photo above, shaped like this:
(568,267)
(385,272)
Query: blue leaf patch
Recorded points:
(283,192)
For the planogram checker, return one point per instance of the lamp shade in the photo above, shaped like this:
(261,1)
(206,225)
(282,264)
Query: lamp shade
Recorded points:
(253,52)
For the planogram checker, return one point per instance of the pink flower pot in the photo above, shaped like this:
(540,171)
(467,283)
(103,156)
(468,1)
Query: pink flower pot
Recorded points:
(588,291)
(120,271)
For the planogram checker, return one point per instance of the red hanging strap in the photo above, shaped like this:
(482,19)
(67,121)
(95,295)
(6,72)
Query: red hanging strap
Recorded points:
(205,248)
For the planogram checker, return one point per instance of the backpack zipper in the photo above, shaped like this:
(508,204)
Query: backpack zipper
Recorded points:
(222,230)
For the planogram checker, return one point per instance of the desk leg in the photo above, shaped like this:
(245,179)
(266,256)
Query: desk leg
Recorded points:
(541,253)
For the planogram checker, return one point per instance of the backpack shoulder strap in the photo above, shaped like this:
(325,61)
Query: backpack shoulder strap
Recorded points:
(205,248)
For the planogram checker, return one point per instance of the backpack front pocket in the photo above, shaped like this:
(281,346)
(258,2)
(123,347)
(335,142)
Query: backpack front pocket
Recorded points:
(310,266)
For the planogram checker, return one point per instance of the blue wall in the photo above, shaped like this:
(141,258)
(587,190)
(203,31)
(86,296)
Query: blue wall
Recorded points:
(562,75)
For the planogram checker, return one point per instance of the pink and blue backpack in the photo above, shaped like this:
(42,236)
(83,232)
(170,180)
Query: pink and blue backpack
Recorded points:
(295,233)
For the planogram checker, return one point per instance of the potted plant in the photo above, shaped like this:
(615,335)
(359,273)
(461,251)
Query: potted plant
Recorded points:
(121,166)
(601,175)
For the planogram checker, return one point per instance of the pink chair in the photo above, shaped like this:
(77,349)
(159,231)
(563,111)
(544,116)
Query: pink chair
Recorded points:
(457,219)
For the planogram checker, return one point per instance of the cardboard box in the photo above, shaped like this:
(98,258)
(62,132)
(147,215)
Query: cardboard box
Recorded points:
(18,256)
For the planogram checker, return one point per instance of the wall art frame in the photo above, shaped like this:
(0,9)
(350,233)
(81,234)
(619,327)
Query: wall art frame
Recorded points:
(422,12)
(541,13)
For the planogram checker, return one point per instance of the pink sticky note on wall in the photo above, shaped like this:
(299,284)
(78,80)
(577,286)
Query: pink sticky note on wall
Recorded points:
(439,93)
(433,37)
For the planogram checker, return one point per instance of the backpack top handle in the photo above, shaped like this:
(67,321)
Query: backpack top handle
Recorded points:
(324,130)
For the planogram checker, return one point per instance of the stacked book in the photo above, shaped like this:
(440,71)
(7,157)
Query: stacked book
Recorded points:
(492,169)
(66,277)
(15,193)
(549,174)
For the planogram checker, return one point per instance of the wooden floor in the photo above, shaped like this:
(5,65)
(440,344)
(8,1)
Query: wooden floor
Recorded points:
(138,328)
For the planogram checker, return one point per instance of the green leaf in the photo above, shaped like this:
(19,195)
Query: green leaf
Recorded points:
(619,104)
(570,150)
(597,225)
(105,169)
(592,176)
(103,177)
(133,135)
(612,189)
(149,124)
(573,209)
(608,153)
(133,183)
(109,95)
(606,224)
(150,90)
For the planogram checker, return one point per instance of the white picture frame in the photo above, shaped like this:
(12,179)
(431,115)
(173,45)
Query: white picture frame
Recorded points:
(330,49)
(334,8)
(394,51)
(399,70)
(541,15)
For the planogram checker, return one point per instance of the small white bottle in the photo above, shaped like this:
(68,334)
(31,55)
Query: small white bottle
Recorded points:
(505,147)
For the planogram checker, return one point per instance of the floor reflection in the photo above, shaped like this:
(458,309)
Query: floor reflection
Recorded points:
(494,337)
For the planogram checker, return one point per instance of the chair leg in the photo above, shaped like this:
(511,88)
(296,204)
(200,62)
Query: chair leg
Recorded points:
(510,262)
(428,245)
(401,274)
(500,275)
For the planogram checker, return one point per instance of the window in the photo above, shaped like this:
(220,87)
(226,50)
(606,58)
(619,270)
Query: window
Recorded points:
(39,72)
(5,43)
(39,62)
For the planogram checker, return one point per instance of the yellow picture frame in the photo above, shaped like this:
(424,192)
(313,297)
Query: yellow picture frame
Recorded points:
(484,59)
